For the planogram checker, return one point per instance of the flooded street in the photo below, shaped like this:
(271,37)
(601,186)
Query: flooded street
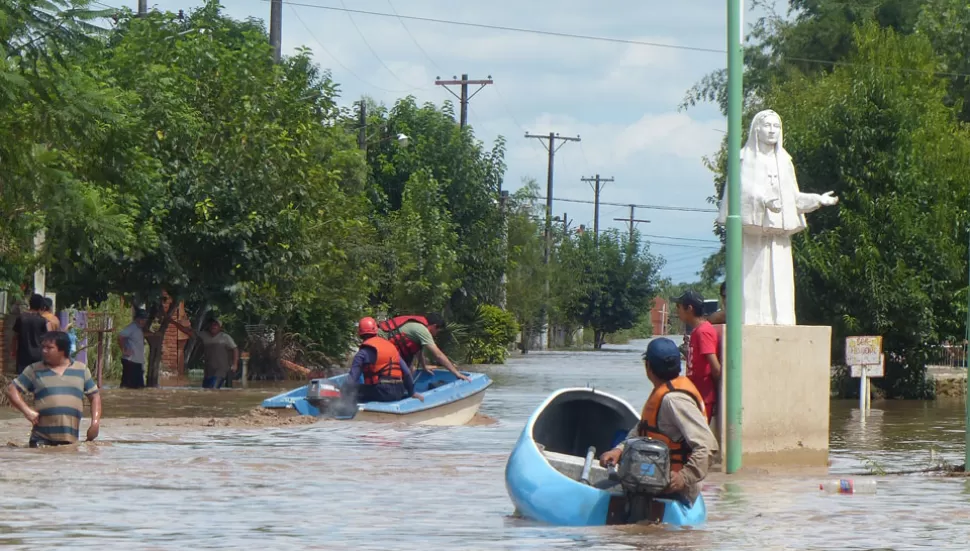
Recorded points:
(334,485)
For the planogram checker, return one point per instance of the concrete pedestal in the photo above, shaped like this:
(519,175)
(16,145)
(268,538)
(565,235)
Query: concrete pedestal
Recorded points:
(785,396)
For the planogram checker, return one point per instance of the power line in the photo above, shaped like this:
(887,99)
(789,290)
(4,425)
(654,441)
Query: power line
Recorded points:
(333,57)
(514,29)
(651,207)
(371,48)
(683,238)
(413,39)
(613,40)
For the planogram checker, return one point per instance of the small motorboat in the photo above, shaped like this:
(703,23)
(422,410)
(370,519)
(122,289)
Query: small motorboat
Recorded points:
(447,400)
(553,474)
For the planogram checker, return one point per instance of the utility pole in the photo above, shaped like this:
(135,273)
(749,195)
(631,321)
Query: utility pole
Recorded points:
(549,142)
(503,198)
(362,123)
(142,8)
(276,28)
(735,76)
(464,97)
(632,221)
(597,184)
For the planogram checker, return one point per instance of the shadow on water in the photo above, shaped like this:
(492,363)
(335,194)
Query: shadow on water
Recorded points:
(335,485)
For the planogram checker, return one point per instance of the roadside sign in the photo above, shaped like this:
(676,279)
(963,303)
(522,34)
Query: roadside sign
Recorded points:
(872,371)
(863,351)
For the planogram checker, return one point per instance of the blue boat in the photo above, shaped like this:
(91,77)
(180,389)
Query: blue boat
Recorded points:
(549,478)
(447,400)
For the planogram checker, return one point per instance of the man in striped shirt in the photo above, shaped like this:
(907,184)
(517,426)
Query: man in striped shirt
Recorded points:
(59,385)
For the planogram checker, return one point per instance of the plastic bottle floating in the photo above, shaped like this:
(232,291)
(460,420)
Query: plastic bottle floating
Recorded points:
(848,486)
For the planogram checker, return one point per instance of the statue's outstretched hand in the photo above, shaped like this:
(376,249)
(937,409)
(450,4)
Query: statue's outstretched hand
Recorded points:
(828,199)
(774,205)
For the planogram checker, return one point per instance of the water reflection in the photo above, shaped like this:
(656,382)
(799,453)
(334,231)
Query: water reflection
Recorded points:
(338,485)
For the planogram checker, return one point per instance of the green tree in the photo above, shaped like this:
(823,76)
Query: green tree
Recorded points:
(67,165)
(422,241)
(469,177)
(526,270)
(612,283)
(254,216)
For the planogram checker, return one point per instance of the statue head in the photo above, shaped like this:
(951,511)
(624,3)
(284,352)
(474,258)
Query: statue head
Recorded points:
(765,130)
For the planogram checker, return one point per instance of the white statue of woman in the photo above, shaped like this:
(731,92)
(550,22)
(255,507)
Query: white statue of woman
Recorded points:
(772,210)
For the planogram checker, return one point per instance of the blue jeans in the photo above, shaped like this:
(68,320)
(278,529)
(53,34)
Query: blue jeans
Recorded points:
(213,382)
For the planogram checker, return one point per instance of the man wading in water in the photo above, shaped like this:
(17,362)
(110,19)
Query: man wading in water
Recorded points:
(219,348)
(58,384)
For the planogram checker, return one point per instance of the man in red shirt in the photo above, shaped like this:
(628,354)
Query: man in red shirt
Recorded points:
(703,362)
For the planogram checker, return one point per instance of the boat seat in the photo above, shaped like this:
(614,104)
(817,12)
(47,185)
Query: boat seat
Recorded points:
(572,466)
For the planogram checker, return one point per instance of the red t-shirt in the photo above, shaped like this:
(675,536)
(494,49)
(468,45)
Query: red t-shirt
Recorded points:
(704,340)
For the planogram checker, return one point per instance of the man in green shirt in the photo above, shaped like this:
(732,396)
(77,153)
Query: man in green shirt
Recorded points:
(412,335)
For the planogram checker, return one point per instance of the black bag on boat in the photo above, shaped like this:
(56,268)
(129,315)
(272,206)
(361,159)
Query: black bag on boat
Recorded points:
(644,466)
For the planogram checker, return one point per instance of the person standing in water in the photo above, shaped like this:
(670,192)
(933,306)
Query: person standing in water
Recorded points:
(58,384)
(221,353)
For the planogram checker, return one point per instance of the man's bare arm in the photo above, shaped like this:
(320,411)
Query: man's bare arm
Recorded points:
(443,360)
(17,401)
(715,366)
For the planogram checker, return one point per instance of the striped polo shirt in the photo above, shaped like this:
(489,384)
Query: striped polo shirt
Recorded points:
(58,398)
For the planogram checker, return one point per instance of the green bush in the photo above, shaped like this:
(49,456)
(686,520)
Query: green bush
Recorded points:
(494,333)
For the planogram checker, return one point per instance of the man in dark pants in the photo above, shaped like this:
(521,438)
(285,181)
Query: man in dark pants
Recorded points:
(131,339)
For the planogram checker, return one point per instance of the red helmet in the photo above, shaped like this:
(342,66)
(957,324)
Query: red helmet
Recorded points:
(367,326)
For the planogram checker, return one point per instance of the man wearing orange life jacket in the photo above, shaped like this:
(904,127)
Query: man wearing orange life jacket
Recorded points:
(674,414)
(412,335)
(385,373)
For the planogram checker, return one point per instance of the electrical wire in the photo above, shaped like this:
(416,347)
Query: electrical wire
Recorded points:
(511,29)
(333,57)
(611,39)
(413,39)
(373,51)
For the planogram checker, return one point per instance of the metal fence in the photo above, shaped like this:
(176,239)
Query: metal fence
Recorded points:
(950,355)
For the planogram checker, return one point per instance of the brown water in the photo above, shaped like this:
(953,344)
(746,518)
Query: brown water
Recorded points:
(332,485)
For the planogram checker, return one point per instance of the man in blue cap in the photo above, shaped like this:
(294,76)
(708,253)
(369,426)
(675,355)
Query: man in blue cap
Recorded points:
(674,414)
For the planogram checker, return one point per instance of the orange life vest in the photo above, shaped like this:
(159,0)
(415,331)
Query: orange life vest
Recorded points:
(649,420)
(387,367)
(407,347)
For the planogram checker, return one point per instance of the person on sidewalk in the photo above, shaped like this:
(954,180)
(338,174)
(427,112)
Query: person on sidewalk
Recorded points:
(221,353)
(28,330)
(131,339)
(703,361)
(413,335)
(674,414)
(385,373)
(58,384)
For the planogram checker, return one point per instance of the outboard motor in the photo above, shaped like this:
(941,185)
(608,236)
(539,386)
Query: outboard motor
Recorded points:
(322,394)
(644,473)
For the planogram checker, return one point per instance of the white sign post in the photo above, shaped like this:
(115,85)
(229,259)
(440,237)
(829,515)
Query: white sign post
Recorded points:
(865,359)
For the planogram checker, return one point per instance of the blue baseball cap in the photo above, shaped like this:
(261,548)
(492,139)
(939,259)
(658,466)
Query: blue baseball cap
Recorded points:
(664,357)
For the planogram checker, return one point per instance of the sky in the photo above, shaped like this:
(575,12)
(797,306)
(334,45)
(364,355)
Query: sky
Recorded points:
(621,99)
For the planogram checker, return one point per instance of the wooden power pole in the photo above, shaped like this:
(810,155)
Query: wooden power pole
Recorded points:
(597,184)
(276,28)
(632,221)
(463,97)
(142,8)
(549,142)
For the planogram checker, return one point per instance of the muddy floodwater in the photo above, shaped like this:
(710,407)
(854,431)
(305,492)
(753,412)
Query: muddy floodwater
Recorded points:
(175,474)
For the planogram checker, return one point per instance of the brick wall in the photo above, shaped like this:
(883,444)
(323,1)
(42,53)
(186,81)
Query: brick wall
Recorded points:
(174,342)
